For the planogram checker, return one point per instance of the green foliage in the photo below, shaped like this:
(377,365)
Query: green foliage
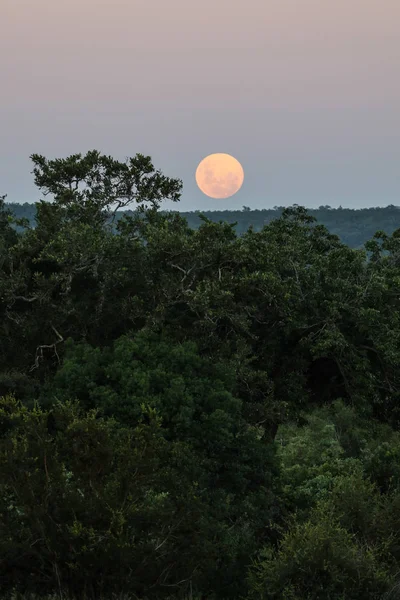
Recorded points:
(192,407)
(193,398)
(311,458)
(148,367)
(342,538)
(89,504)
(88,186)
(317,560)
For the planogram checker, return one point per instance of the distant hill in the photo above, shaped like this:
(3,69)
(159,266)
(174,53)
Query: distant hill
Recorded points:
(353,226)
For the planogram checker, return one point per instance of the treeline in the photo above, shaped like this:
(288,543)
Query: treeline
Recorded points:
(193,413)
(353,226)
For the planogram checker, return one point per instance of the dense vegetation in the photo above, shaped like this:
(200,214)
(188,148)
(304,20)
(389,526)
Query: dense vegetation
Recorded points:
(189,412)
(353,226)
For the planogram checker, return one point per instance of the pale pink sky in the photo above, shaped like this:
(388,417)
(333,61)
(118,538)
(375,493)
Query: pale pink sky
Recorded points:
(305,93)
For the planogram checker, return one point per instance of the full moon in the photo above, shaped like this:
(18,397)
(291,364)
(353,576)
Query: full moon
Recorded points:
(219,175)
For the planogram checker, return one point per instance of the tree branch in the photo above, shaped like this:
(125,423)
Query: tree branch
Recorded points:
(39,349)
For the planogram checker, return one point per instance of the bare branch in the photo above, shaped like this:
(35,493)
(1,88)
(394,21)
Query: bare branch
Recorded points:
(186,272)
(178,267)
(25,299)
(39,349)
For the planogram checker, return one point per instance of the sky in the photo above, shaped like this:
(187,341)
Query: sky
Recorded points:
(304,93)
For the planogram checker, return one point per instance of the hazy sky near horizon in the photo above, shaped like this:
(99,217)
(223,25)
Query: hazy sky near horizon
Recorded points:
(304,93)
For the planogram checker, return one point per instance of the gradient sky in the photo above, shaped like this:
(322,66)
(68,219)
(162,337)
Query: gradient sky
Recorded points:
(304,93)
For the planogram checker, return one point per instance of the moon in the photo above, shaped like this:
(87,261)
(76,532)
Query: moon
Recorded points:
(219,175)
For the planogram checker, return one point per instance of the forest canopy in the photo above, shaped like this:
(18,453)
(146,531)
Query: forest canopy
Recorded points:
(353,226)
(195,409)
